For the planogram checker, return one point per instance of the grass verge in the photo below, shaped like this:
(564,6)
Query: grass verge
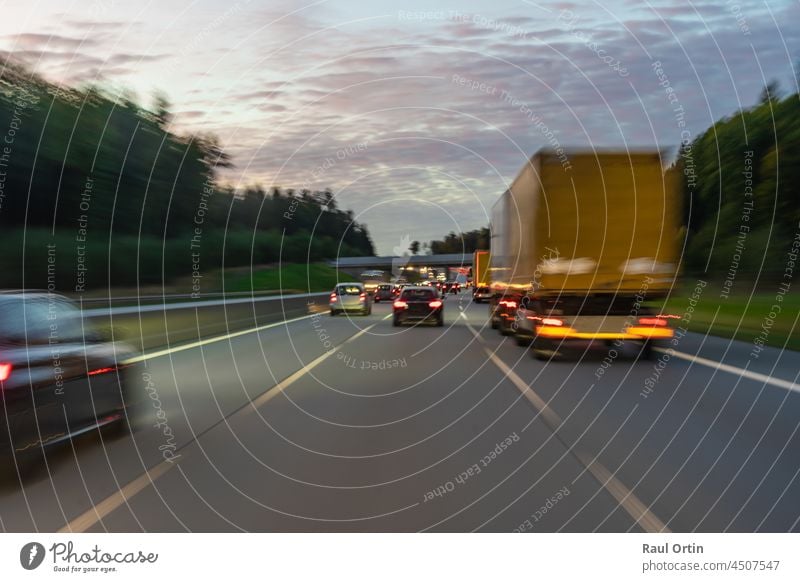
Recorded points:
(745,318)
(289,278)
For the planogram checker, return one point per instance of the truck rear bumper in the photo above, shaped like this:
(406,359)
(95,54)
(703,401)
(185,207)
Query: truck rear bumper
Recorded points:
(632,333)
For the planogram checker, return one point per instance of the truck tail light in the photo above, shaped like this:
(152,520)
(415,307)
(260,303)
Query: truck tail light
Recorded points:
(362,297)
(655,321)
(333,296)
(5,372)
(435,303)
(399,304)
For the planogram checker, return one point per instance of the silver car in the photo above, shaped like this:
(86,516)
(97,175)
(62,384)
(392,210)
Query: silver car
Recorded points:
(350,297)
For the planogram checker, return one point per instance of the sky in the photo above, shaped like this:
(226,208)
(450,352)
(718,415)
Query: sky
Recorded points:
(417,114)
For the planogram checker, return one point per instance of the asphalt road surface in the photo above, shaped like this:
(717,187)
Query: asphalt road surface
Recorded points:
(349,424)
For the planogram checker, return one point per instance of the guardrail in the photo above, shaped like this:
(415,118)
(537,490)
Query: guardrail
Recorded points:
(153,326)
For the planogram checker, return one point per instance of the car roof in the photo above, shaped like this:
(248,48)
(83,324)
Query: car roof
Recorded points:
(30,294)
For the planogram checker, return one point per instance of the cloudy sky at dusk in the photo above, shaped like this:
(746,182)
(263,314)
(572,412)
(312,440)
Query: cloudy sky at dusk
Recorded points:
(418,109)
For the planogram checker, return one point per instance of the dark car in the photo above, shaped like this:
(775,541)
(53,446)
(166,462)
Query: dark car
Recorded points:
(58,376)
(481,294)
(451,287)
(418,304)
(384,292)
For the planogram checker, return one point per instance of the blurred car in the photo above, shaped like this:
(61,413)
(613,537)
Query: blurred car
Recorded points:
(59,377)
(451,287)
(481,294)
(384,292)
(350,297)
(418,304)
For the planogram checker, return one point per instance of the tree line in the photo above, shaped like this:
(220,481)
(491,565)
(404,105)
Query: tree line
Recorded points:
(94,183)
(741,192)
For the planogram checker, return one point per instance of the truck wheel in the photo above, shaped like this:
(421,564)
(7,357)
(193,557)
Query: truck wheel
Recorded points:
(647,350)
(522,341)
(544,350)
(333,312)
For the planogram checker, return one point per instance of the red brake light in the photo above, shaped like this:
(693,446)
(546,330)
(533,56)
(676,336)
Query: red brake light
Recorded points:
(435,303)
(656,321)
(362,297)
(100,371)
(511,304)
(5,372)
(333,295)
(399,304)
(552,321)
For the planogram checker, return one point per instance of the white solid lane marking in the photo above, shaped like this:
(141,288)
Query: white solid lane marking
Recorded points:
(645,518)
(211,340)
(778,382)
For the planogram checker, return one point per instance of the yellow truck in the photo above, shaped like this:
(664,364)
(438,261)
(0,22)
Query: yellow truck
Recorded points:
(576,249)
(481,276)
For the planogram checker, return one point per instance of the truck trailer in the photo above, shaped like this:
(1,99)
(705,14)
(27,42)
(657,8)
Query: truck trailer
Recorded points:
(577,249)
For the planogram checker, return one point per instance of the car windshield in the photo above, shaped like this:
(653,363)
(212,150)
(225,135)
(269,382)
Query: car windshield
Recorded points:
(418,294)
(348,290)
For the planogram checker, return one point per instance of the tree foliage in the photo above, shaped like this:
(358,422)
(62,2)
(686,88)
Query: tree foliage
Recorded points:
(466,242)
(84,168)
(743,211)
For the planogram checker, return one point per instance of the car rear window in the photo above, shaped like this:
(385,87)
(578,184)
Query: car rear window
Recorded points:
(482,290)
(418,294)
(39,319)
(348,290)
(385,287)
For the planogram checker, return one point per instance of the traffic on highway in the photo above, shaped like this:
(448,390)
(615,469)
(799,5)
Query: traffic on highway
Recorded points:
(349,268)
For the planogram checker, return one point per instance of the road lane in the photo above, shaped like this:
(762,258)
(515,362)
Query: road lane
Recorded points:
(710,450)
(182,394)
(354,446)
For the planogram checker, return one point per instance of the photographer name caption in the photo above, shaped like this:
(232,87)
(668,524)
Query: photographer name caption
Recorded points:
(709,557)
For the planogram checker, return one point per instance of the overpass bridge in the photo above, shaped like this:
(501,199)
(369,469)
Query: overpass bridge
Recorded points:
(449,263)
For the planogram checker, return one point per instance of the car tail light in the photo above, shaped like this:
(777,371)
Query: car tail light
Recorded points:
(399,304)
(509,304)
(333,296)
(5,372)
(552,321)
(362,297)
(656,321)
(101,371)
(435,303)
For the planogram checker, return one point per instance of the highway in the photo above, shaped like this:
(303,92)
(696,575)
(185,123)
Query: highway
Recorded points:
(348,424)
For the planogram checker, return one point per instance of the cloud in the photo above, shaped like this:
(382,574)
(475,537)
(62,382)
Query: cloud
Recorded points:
(31,40)
(288,89)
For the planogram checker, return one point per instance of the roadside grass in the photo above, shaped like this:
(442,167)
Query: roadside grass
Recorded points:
(289,278)
(742,317)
